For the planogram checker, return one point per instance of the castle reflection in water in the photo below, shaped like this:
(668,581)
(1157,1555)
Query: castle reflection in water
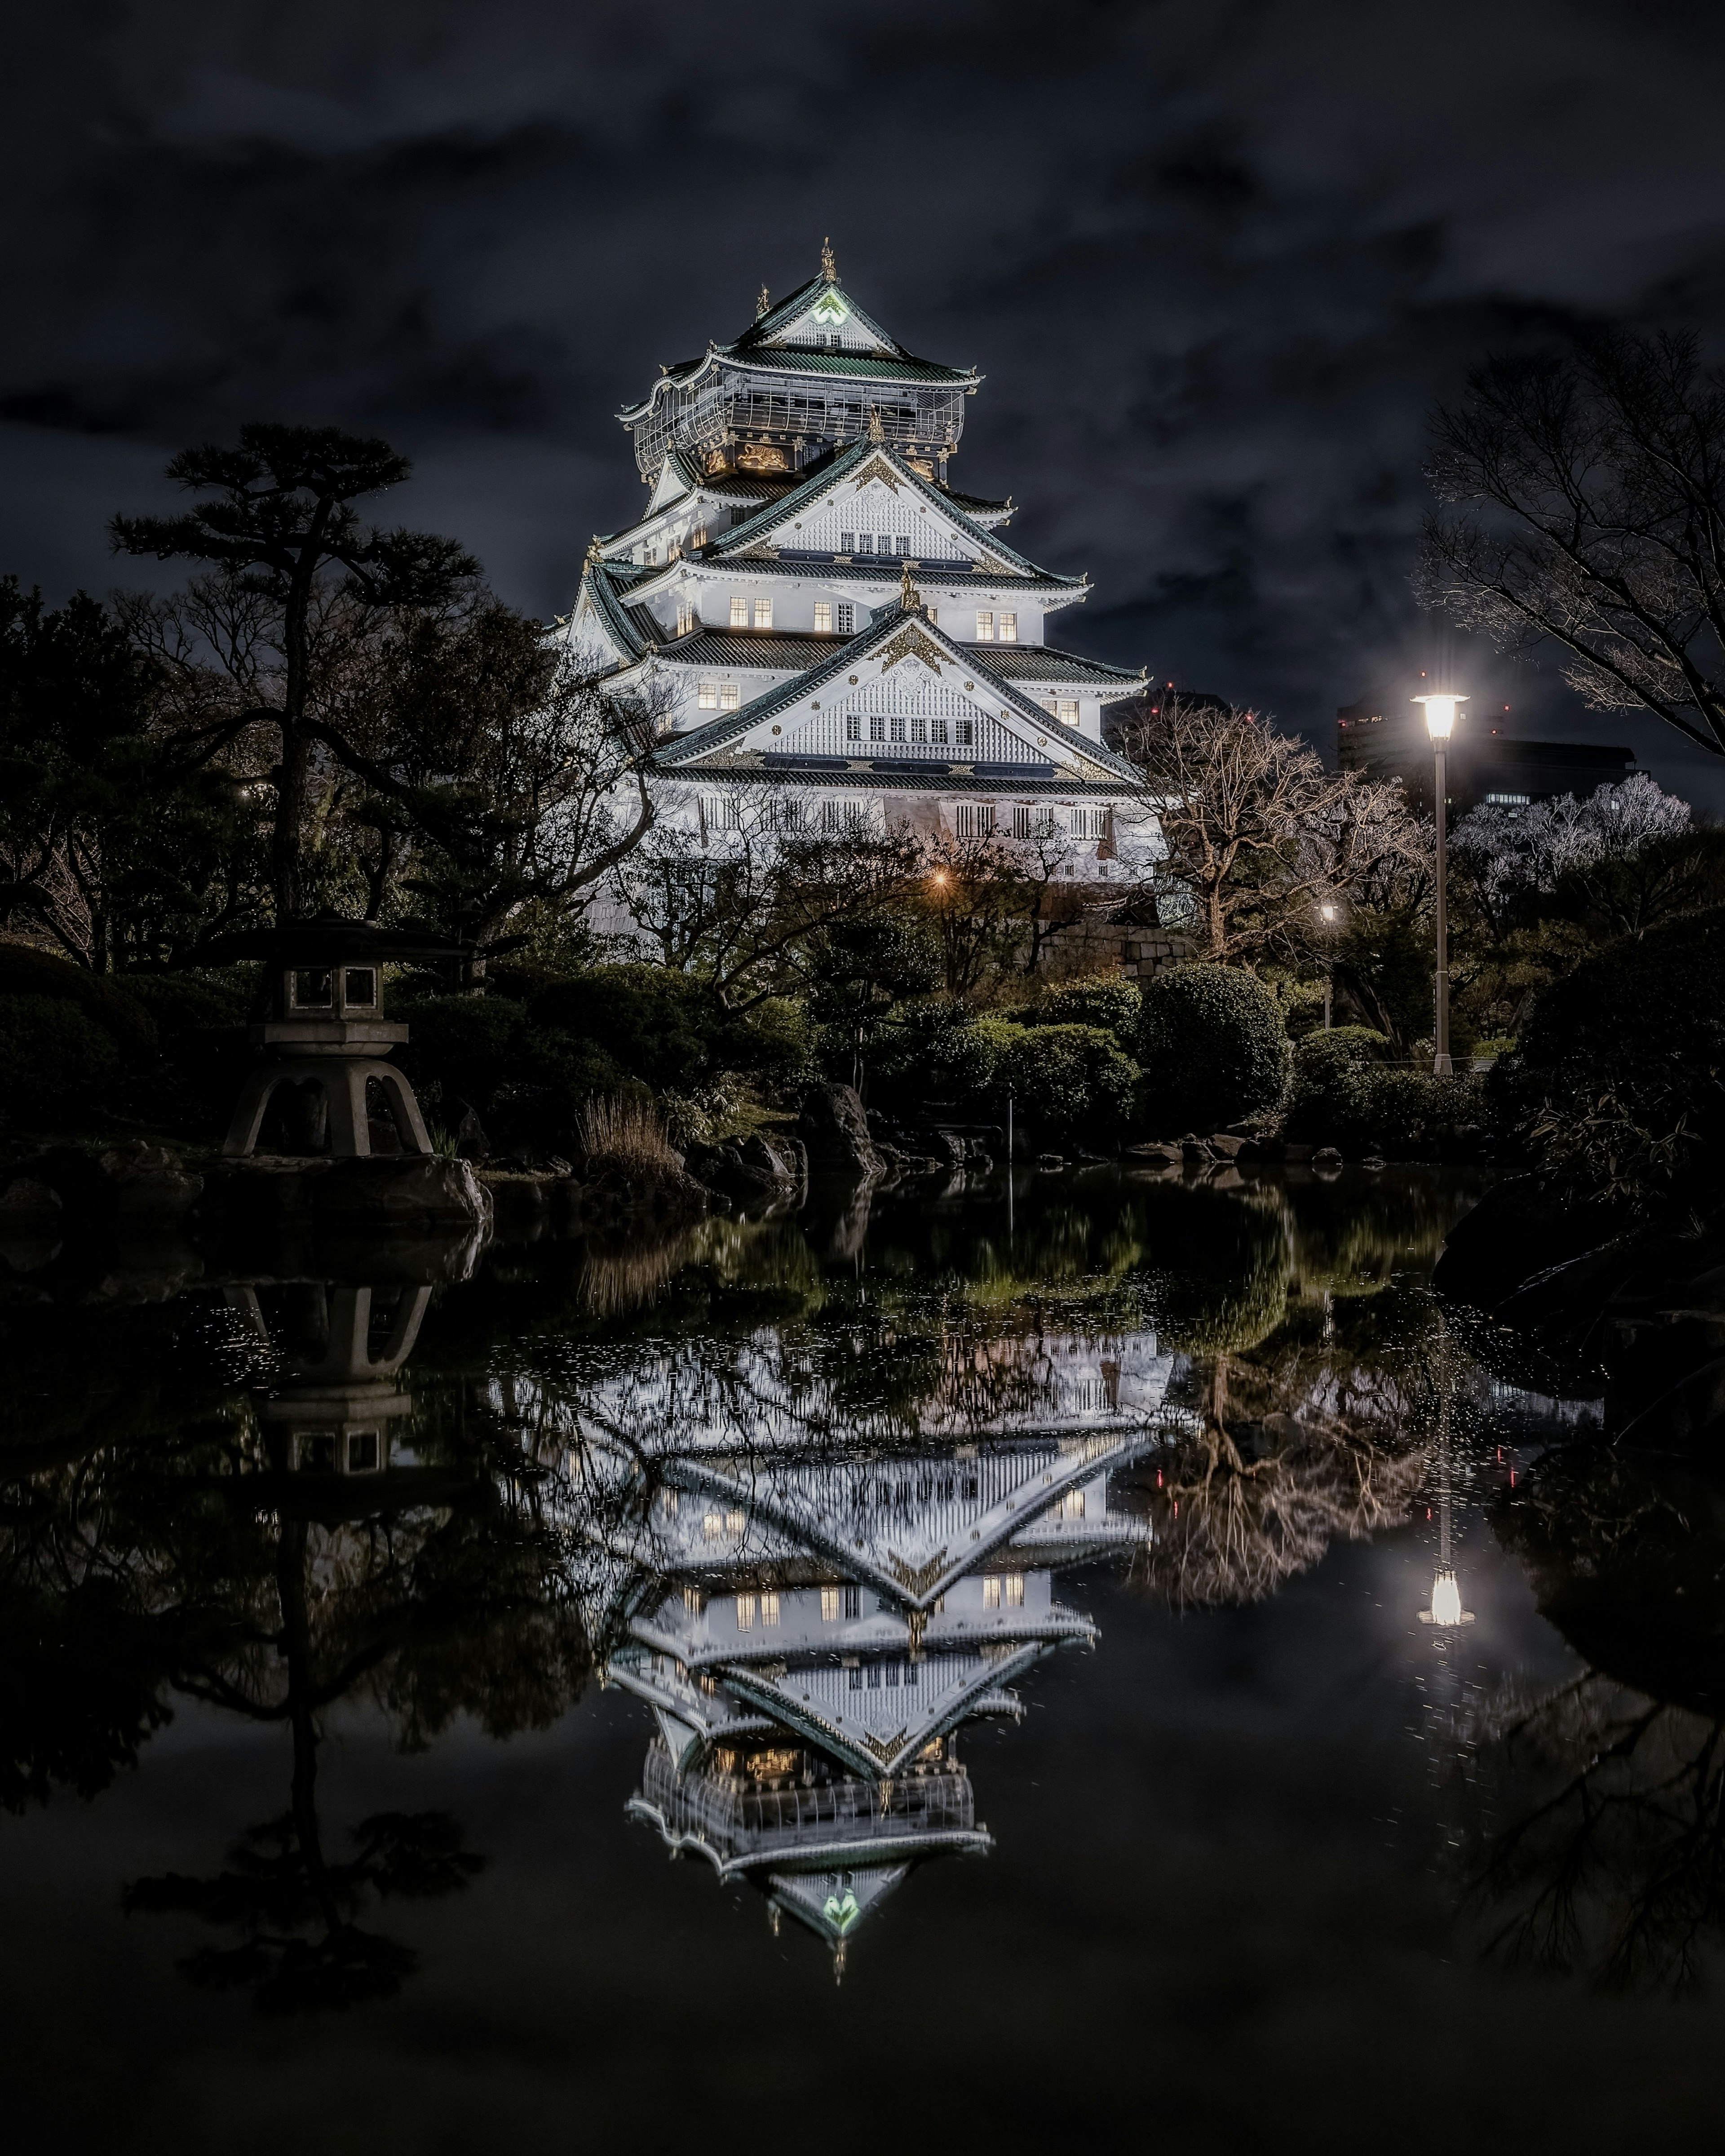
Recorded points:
(813,1599)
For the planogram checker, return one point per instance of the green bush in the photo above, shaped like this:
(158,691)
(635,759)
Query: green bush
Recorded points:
(1116,1005)
(54,1059)
(933,1049)
(26,971)
(1328,1102)
(1071,1083)
(1213,1049)
(1617,1087)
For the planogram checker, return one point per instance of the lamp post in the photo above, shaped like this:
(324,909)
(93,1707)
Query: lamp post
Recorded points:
(1440,720)
(1327,914)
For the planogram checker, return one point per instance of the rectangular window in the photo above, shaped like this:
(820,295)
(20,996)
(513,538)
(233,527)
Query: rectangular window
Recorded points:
(889,545)
(975,820)
(910,1673)
(823,617)
(874,1676)
(712,1526)
(707,696)
(1007,629)
(991,1591)
(1090,822)
(864,542)
(769,1608)
(853,726)
(1015,1585)
(898,727)
(685,616)
(313,988)
(1072,1504)
(829,1605)
(877,727)
(1068,712)
(1021,824)
(745,1613)
(734,1521)
(985,629)
(739,611)
(967,733)
(937,730)
(892,1674)
(856,1676)
(832,816)
(362,1452)
(697,538)
(359,988)
(919,730)
(764,613)
(847,619)
(729,698)
(668,1501)
(852,1602)
(694,1601)
(847,542)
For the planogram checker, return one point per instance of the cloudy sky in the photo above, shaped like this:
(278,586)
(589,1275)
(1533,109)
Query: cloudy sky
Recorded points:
(1215,257)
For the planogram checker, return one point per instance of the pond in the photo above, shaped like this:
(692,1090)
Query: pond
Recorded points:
(1109,1654)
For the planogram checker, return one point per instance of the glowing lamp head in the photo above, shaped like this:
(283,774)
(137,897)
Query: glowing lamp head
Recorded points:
(939,879)
(1439,715)
(1327,912)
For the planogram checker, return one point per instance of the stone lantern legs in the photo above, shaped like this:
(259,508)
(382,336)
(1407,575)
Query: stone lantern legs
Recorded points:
(342,1080)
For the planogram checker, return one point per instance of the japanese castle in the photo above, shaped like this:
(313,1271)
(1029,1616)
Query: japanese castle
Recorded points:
(812,1605)
(838,636)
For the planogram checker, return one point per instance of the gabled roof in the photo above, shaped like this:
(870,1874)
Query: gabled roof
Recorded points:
(685,750)
(851,463)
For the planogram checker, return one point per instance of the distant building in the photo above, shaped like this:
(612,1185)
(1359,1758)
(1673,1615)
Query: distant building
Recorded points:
(1386,737)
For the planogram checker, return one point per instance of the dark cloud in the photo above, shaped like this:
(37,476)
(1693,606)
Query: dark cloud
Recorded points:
(1215,261)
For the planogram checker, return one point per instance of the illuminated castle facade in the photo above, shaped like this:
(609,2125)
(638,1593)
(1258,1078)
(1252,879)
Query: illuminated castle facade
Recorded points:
(840,638)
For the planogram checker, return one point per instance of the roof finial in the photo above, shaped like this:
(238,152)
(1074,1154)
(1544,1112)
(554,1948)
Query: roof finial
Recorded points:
(909,597)
(762,303)
(877,433)
(829,267)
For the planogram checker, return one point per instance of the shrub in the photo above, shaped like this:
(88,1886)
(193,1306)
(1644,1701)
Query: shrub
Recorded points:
(1328,1102)
(1213,1047)
(1116,1005)
(935,1050)
(1617,1087)
(25,971)
(1071,1082)
(54,1058)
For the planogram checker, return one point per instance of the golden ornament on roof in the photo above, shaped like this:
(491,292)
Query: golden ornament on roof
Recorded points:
(829,267)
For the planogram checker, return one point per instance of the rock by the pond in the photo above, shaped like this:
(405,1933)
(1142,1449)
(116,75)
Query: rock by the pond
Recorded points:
(387,1194)
(1158,1154)
(1326,1157)
(1226,1146)
(1195,1150)
(148,1180)
(1051,1162)
(835,1132)
(756,1166)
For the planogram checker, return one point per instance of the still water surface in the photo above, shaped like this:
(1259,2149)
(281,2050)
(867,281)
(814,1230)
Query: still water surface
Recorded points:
(993,1666)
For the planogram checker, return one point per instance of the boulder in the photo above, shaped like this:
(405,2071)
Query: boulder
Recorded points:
(415,1190)
(1226,1146)
(756,1166)
(1326,1157)
(834,1132)
(147,1180)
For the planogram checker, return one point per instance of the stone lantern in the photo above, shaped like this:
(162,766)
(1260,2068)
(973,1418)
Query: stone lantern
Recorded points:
(322,1027)
(335,1405)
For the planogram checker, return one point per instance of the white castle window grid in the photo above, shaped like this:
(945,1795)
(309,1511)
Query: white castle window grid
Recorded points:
(974,819)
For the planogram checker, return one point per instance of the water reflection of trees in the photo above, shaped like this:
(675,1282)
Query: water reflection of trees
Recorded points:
(1598,1836)
(223,1556)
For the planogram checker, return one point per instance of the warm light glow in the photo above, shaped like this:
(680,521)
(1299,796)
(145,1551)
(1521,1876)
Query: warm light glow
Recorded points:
(1439,714)
(1328,912)
(939,879)
(1446,1599)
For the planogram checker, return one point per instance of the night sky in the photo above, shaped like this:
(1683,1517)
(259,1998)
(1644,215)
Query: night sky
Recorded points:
(1215,261)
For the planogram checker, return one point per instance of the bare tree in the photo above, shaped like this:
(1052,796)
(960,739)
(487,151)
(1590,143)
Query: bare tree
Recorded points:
(1257,832)
(1583,503)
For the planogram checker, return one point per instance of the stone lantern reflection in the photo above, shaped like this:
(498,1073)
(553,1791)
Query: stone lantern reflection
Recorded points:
(340,1393)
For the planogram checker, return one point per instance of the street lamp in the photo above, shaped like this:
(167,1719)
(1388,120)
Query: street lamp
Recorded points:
(1327,914)
(1439,721)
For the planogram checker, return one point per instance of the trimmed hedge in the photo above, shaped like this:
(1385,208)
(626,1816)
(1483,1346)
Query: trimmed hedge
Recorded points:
(1071,1083)
(1213,1047)
(1117,1006)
